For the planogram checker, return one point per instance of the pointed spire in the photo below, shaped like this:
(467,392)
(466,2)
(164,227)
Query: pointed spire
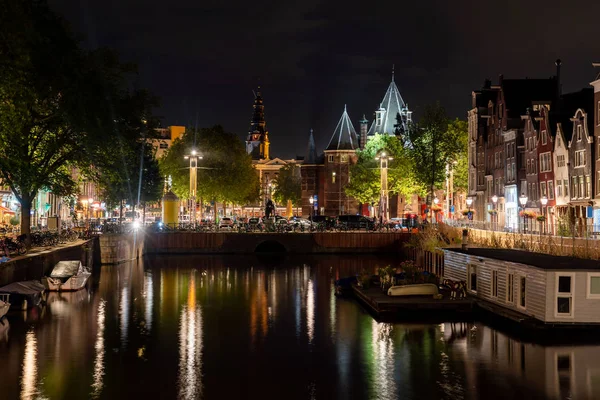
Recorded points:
(391,105)
(311,150)
(393,66)
(344,137)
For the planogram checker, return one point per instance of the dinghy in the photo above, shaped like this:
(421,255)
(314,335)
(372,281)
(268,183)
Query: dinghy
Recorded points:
(67,276)
(420,289)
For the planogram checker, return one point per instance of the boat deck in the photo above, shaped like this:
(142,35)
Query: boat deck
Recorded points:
(408,307)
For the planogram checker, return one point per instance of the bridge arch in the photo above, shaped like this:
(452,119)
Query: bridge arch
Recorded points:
(270,246)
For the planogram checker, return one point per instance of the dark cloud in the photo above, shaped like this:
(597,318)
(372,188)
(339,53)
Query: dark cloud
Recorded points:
(312,57)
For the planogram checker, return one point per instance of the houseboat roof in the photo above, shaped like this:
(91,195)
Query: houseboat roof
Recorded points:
(539,260)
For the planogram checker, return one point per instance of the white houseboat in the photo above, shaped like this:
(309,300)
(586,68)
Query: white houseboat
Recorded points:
(550,289)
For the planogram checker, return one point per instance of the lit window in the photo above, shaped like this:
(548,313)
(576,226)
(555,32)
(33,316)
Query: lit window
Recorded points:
(344,158)
(330,158)
(544,137)
(551,190)
(333,177)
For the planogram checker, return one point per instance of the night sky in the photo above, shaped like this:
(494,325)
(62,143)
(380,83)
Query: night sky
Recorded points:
(204,58)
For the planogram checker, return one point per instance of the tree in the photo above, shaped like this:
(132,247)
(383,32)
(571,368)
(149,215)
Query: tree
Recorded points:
(433,143)
(458,132)
(225,173)
(288,185)
(365,185)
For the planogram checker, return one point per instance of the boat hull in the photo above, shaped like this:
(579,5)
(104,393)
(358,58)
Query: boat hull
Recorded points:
(4,307)
(73,284)
(421,289)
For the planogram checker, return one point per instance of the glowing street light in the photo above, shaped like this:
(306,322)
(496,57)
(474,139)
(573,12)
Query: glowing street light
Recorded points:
(544,201)
(193,157)
(523,201)
(383,159)
(311,200)
(495,200)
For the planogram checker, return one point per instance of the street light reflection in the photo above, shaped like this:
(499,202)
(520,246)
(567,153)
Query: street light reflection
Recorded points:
(310,311)
(29,377)
(383,354)
(98,383)
(149,299)
(190,346)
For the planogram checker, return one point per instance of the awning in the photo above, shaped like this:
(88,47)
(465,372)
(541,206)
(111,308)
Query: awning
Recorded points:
(4,210)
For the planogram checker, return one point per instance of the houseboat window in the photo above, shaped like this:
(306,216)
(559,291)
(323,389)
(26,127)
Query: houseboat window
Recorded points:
(522,292)
(510,288)
(472,278)
(593,284)
(564,295)
(494,283)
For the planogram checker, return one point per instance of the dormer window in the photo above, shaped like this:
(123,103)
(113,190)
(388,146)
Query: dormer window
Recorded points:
(379,117)
(579,130)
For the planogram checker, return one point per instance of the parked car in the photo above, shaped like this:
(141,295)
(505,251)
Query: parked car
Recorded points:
(297,222)
(226,223)
(325,220)
(356,222)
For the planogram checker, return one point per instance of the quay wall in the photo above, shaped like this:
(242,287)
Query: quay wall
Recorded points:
(299,243)
(35,265)
(118,248)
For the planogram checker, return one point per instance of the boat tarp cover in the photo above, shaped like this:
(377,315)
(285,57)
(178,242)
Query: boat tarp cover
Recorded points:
(66,269)
(26,288)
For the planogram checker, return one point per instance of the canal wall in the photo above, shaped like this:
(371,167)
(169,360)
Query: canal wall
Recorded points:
(298,243)
(35,265)
(117,248)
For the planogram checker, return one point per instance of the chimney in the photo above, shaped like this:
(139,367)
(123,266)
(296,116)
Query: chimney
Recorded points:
(558,84)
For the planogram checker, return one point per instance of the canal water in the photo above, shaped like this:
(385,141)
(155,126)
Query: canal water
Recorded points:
(180,327)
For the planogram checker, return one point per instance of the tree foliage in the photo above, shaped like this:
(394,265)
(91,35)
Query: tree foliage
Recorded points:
(60,106)
(365,175)
(433,143)
(225,173)
(288,185)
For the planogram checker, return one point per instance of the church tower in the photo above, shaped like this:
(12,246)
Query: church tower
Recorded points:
(257,142)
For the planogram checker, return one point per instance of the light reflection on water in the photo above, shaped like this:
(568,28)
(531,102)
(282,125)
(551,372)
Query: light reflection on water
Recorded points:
(223,327)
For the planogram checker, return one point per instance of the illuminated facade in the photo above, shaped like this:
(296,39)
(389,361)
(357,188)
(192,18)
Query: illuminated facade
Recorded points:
(386,115)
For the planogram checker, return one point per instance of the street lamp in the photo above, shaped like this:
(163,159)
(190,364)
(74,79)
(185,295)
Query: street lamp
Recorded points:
(435,202)
(193,157)
(311,200)
(383,158)
(544,201)
(523,202)
(469,202)
(90,201)
(495,200)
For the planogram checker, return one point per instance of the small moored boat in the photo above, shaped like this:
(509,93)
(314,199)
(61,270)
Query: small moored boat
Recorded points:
(4,305)
(25,294)
(67,276)
(420,289)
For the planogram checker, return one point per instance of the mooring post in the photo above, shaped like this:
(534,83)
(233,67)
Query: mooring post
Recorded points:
(465,239)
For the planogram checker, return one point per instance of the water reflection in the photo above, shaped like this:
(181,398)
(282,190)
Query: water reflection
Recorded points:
(220,327)
(190,345)
(99,350)
(29,377)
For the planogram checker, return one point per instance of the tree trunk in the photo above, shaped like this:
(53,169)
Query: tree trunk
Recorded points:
(120,212)
(26,218)
(215,211)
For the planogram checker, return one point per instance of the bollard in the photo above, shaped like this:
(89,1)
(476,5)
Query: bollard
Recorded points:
(465,239)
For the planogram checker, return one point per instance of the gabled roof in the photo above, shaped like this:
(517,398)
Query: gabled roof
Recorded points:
(344,137)
(520,94)
(391,105)
(570,103)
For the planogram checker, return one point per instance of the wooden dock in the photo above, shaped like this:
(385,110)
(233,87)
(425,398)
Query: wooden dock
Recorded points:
(386,307)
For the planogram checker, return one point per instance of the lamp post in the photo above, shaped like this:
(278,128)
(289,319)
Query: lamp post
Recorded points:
(435,202)
(544,201)
(311,200)
(193,157)
(90,201)
(523,202)
(383,158)
(469,202)
(495,214)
